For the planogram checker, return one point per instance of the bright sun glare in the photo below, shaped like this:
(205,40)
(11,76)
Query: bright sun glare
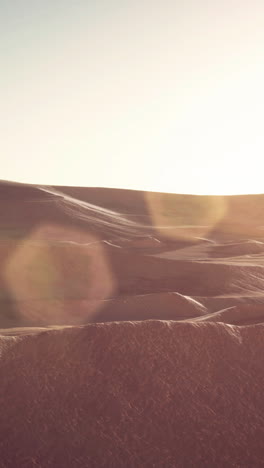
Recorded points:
(162,96)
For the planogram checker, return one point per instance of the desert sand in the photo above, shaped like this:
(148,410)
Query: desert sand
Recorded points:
(131,328)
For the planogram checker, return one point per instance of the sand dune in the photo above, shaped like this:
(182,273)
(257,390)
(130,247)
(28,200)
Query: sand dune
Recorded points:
(63,256)
(165,306)
(134,394)
(131,328)
(249,247)
(245,314)
(39,282)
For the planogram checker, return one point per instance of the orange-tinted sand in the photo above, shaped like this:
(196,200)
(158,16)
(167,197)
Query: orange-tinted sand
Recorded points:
(131,328)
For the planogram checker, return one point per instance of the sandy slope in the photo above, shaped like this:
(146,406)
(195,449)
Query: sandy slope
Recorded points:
(133,394)
(78,255)
(244,314)
(131,329)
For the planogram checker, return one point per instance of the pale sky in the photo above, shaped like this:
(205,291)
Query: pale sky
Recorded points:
(160,95)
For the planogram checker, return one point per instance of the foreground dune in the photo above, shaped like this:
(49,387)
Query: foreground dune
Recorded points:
(133,394)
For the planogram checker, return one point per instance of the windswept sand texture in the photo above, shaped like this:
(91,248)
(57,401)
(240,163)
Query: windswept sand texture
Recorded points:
(131,329)
(138,394)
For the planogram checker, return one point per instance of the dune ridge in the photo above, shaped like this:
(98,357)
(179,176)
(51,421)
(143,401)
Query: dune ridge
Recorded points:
(244,314)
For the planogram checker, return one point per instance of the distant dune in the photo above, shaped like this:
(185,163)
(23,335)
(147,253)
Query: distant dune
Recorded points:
(131,328)
(249,247)
(244,314)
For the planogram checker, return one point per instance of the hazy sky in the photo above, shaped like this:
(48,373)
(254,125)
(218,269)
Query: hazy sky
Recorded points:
(159,95)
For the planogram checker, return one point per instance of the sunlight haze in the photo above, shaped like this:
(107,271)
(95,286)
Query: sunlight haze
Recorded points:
(153,95)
